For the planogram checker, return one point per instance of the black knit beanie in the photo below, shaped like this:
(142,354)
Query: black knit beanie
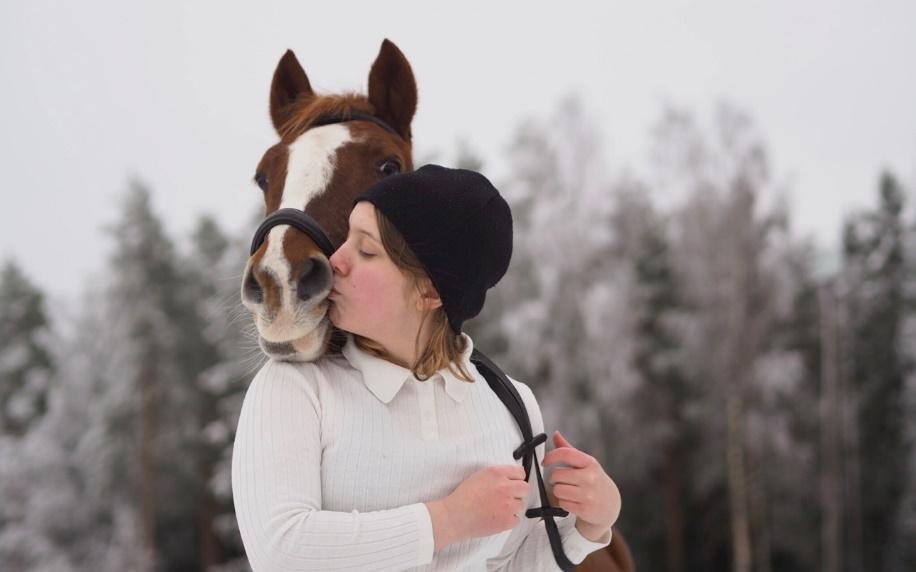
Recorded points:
(458,226)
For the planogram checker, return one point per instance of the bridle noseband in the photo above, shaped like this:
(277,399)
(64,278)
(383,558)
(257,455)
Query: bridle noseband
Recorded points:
(297,218)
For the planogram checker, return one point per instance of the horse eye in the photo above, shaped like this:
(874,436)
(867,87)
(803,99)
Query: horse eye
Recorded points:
(389,167)
(261,180)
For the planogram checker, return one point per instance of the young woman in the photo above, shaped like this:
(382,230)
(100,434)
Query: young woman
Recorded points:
(397,454)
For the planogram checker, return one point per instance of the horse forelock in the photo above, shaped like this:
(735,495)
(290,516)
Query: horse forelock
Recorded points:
(306,113)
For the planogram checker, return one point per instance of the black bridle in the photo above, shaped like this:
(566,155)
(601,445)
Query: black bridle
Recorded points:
(298,218)
(295,218)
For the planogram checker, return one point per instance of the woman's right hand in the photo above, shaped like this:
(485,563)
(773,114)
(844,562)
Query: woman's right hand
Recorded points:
(487,502)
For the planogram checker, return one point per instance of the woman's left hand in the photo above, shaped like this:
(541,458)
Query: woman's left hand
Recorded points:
(583,489)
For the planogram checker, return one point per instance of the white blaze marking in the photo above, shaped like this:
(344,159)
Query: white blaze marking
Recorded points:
(311,164)
(309,168)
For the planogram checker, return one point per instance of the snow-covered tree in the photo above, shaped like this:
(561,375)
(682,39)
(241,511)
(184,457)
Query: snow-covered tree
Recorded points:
(26,367)
(875,278)
(729,245)
(226,359)
(555,291)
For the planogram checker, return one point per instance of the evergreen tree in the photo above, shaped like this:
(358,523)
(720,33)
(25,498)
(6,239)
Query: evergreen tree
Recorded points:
(144,297)
(213,268)
(143,426)
(60,479)
(26,374)
(559,308)
(874,271)
(26,366)
(727,253)
(785,413)
(661,402)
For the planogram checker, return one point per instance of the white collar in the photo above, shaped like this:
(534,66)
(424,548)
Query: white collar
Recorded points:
(385,379)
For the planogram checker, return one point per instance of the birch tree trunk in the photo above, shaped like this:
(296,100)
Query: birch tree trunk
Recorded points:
(737,490)
(831,501)
(849,445)
(674,512)
(757,497)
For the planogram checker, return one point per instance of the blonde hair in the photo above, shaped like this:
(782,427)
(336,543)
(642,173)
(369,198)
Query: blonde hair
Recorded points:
(445,346)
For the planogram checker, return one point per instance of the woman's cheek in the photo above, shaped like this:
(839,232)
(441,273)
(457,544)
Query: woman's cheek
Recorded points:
(379,301)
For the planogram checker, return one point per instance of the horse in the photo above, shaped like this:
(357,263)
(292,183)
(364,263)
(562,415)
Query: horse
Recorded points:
(331,147)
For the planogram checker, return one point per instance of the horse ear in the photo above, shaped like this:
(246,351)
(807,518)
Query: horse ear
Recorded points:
(289,85)
(392,88)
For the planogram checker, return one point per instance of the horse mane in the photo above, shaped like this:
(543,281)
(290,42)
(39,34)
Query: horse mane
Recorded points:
(305,114)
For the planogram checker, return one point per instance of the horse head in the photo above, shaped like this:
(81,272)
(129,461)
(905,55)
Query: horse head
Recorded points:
(330,148)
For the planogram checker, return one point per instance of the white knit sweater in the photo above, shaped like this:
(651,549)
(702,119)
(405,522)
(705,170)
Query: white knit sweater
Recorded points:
(334,459)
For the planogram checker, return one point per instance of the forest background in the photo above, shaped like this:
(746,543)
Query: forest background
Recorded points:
(743,369)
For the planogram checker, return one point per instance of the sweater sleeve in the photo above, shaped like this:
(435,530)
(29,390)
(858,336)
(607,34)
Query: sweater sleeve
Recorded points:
(528,546)
(276,489)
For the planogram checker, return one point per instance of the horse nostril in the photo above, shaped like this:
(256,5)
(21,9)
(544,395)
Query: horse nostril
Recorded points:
(253,290)
(315,277)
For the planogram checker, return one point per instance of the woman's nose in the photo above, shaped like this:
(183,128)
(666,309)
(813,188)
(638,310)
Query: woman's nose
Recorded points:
(336,261)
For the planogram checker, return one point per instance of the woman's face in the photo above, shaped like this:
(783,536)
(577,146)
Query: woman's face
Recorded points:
(371,297)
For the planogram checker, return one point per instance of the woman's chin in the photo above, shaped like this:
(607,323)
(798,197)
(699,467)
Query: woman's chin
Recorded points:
(333,314)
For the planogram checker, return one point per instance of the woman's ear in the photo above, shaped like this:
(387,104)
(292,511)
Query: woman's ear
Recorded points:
(428,298)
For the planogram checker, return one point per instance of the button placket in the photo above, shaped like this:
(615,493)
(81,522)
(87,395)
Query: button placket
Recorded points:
(426,395)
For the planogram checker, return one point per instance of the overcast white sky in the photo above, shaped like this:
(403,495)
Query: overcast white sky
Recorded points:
(176,93)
